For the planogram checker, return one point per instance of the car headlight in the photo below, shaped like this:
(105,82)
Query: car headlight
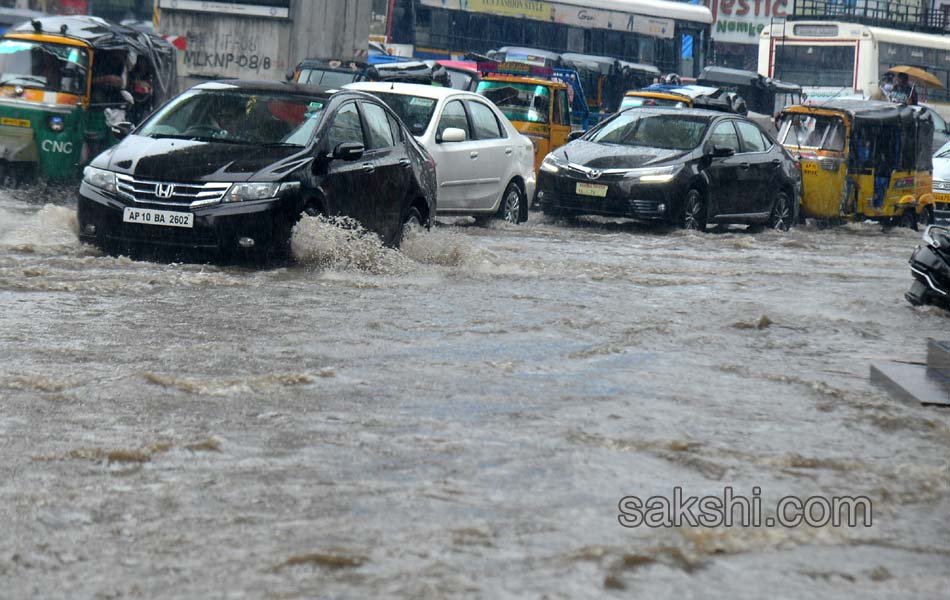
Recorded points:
(654,175)
(550,164)
(242,192)
(56,123)
(99,178)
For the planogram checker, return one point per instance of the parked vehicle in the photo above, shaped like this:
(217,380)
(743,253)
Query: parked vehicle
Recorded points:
(930,266)
(230,166)
(65,82)
(941,185)
(685,167)
(484,166)
(863,160)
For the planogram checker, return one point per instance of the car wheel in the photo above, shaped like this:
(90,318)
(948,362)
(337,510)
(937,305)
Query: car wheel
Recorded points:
(412,222)
(694,211)
(513,205)
(781,217)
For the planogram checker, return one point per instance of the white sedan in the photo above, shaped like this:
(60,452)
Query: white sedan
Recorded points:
(484,166)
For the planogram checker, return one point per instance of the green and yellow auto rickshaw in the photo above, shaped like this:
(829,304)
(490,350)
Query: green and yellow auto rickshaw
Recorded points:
(66,83)
(862,160)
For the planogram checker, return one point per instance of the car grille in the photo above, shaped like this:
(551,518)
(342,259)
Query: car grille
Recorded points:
(169,193)
(942,185)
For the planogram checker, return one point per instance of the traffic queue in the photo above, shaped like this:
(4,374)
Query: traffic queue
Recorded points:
(230,166)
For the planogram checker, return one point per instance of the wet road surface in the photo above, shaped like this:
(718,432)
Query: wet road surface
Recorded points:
(460,419)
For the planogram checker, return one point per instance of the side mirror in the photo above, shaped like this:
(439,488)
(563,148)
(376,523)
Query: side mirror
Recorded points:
(122,129)
(721,152)
(349,151)
(453,134)
(290,74)
(575,135)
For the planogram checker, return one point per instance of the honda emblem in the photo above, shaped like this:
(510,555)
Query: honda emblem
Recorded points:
(164,190)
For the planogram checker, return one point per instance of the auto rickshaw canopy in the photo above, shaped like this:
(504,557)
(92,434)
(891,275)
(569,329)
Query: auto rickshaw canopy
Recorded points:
(102,35)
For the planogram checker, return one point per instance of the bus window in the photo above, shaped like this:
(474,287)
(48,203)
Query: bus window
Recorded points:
(830,66)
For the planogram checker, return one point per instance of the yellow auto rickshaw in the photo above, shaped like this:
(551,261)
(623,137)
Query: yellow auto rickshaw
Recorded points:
(538,107)
(862,160)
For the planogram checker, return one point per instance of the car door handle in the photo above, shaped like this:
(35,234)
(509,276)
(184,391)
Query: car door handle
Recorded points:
(474,154)
(405,162)
(508,151)
(776,162)
(743,165)
(369,168)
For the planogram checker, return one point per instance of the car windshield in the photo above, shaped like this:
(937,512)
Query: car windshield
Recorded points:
(670,132)
(53,67)
(822,132)
(415,111)
(327,78)
(638,101)
(238,116)
(525,102)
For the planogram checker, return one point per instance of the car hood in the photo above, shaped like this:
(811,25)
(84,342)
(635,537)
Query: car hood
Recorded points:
(187,160)
(942,168)
(612,156)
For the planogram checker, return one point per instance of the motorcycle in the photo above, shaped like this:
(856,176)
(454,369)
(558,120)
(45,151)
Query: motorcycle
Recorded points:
(930,265)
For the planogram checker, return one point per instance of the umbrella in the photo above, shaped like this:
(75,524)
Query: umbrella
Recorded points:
(918,76)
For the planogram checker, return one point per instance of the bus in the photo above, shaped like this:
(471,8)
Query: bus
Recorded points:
(843,53)
(673,36)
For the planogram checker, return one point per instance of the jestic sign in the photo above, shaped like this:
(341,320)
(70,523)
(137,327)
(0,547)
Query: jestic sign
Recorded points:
(741,21)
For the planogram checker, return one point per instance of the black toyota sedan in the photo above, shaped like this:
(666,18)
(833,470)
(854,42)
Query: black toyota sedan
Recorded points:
(678,166)
(230,166)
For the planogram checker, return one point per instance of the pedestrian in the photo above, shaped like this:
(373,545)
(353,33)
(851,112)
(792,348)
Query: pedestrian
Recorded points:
(903,92)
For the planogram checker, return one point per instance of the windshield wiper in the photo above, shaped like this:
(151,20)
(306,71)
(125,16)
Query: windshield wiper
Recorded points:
(281,145)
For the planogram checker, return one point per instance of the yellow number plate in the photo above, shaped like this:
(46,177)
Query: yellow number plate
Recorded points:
(14,122)
(809,167)
(591,189)
(940,197)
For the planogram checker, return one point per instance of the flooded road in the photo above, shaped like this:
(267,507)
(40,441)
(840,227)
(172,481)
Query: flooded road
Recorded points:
(461,419)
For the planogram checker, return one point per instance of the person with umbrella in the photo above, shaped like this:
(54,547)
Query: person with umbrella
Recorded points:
(903,92)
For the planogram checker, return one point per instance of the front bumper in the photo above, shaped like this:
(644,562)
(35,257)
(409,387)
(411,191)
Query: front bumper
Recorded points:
(557,193)
(941,192)
(217,228)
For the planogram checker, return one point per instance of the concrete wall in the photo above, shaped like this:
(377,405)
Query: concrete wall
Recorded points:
(224,46)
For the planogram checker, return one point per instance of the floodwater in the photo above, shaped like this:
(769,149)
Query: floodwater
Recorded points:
(460,419)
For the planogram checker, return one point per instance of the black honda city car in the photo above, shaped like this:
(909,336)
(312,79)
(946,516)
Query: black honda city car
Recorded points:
(682,167)
(230,166)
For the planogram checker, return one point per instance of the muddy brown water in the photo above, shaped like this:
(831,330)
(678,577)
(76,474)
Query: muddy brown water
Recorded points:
(460,419)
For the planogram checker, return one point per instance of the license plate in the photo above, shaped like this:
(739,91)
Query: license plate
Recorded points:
(809,167)
(167,218)
(941,197)
(592,189)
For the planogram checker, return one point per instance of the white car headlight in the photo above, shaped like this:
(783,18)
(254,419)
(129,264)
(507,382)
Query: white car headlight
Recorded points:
(241,192)
(100,178)
(654,175)
(550,164)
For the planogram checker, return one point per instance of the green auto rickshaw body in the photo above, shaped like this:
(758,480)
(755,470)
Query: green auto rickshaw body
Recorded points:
(65,82)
